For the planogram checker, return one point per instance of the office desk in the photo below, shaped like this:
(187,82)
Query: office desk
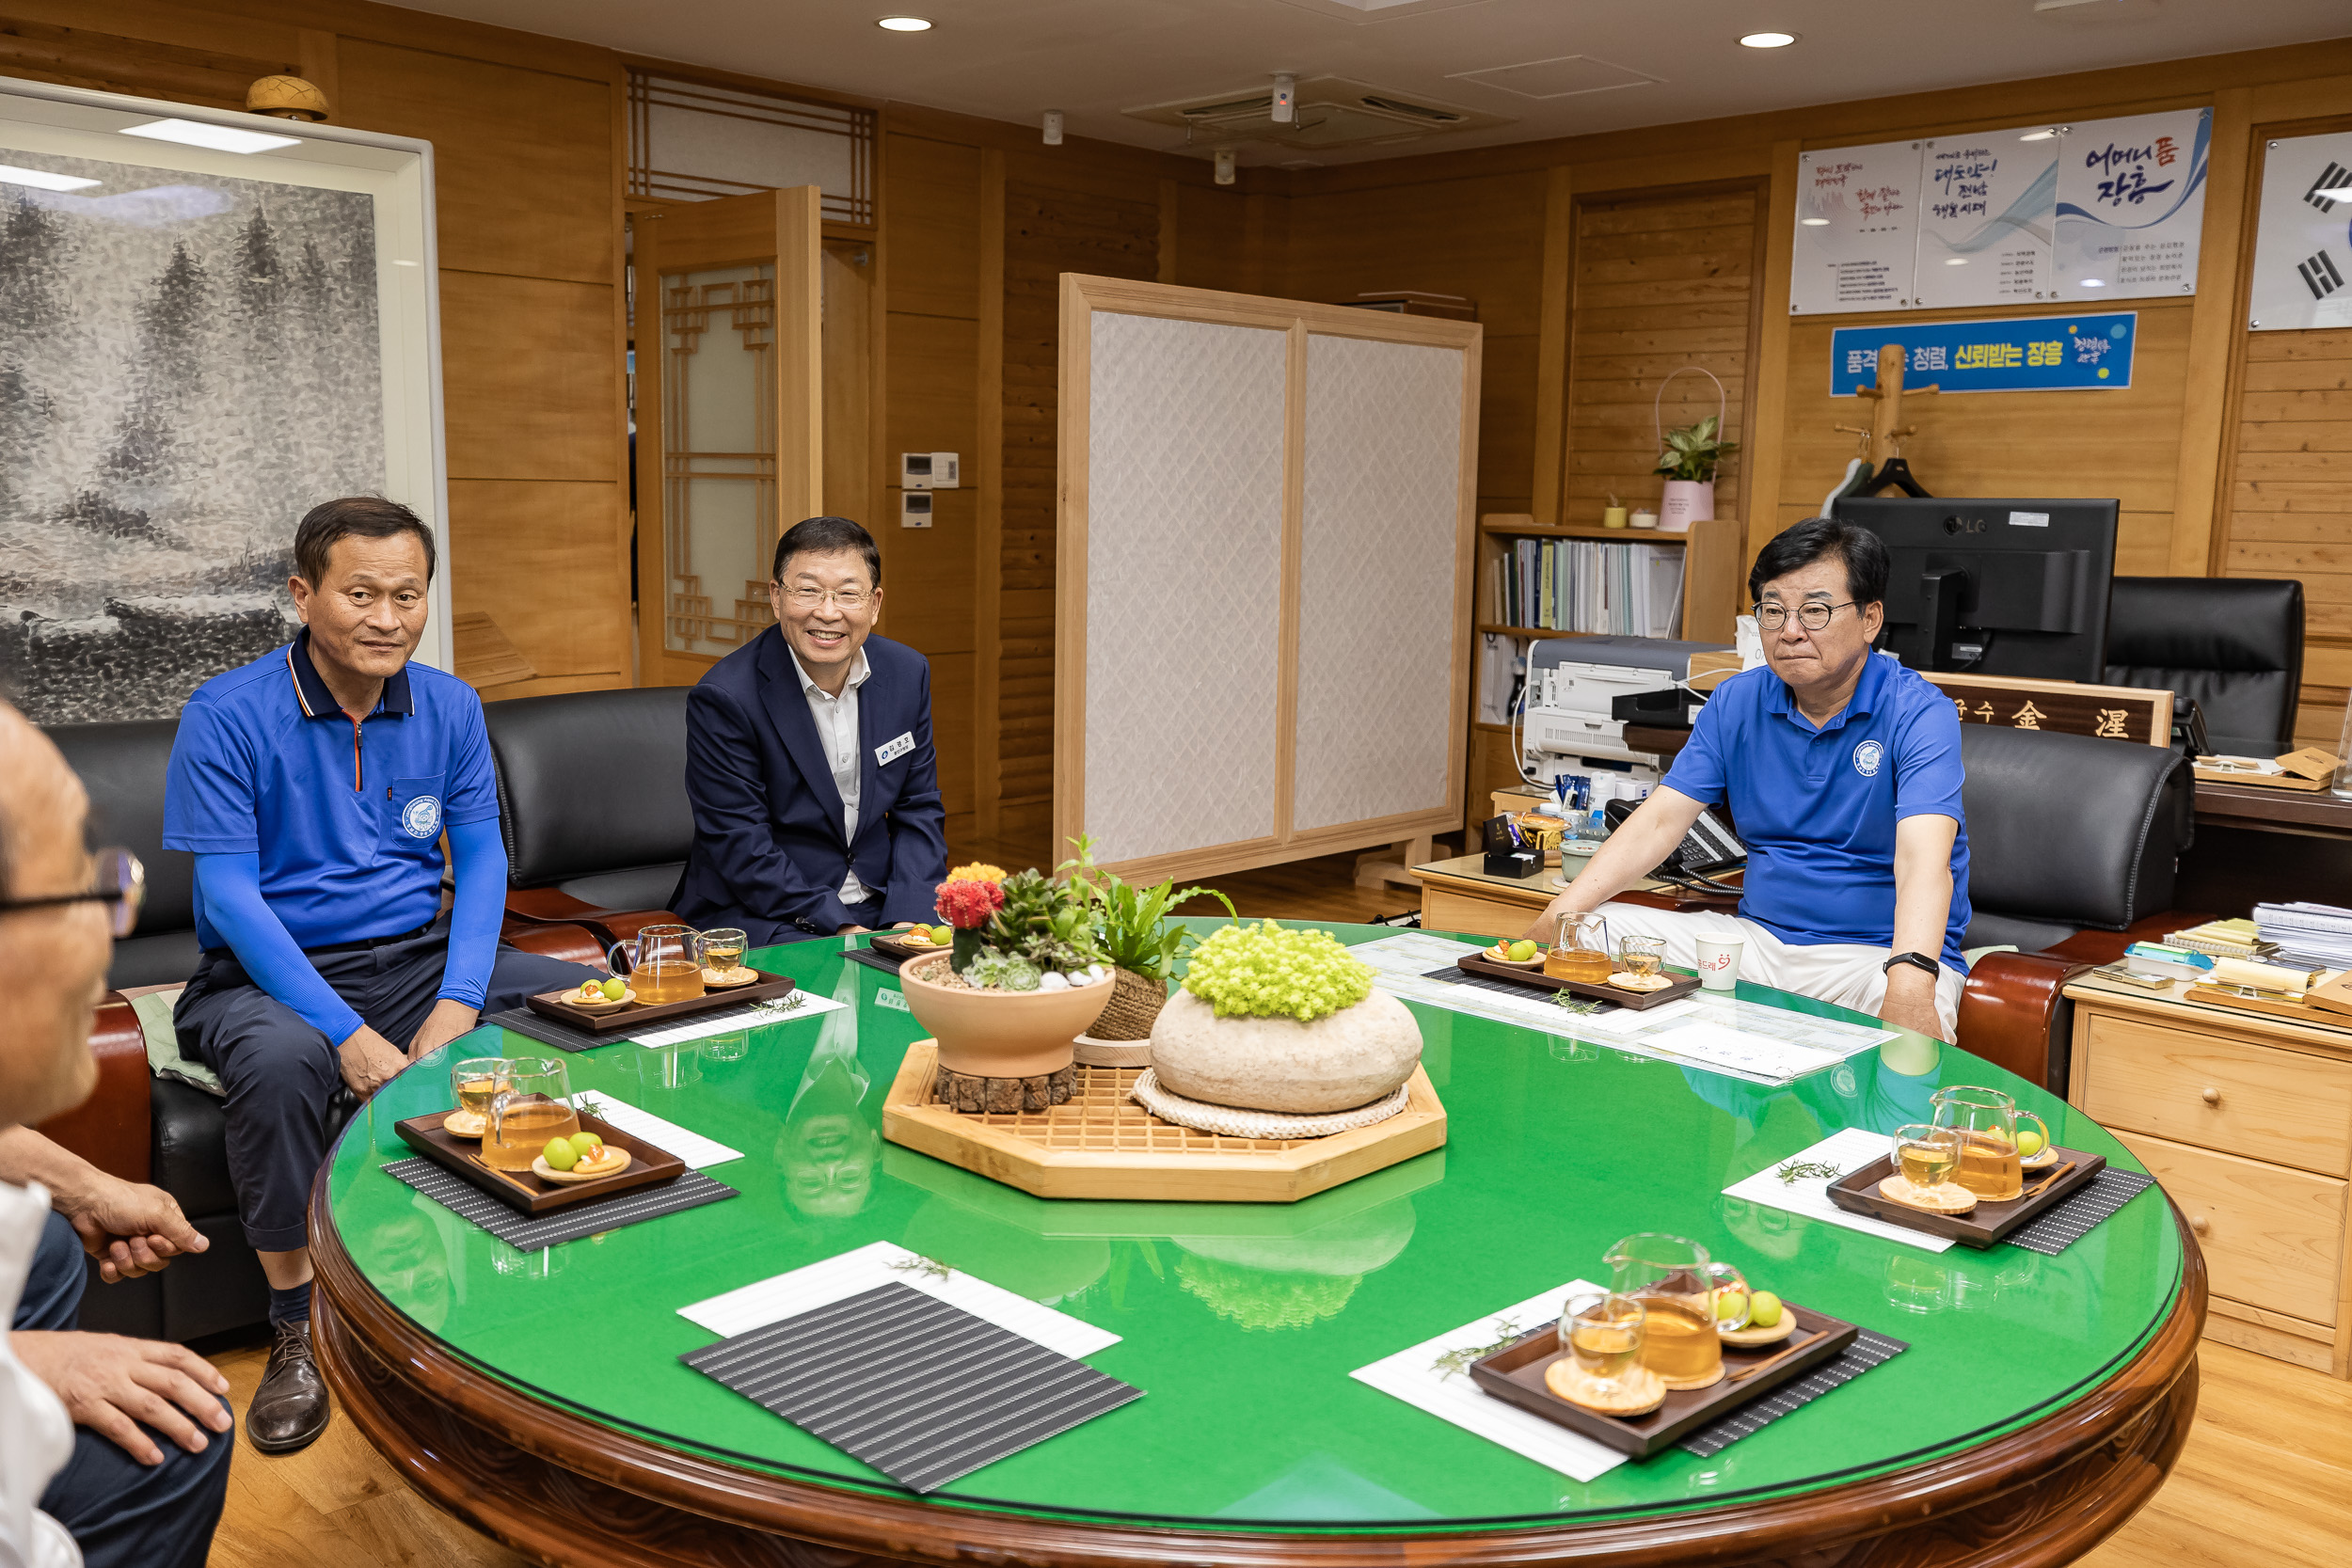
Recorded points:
(540,1396)
(1458,896)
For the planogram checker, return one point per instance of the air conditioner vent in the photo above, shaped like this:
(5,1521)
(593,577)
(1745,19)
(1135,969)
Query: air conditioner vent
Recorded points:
(1331,112)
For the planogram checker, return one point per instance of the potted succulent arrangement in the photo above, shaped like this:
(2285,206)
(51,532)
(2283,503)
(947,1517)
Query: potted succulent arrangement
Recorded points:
(1023,976)
(1131,924)
(1694,455)
(1272,1019)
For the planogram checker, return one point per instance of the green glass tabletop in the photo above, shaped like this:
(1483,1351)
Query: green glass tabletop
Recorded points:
(1242,1321)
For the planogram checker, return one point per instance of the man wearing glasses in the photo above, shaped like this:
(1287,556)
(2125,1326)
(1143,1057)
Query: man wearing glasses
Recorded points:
(809,761)
(315,787)
(1842,772)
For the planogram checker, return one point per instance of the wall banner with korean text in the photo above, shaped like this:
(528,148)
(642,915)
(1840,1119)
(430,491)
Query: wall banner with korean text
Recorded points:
(2035,354)
(2131,205)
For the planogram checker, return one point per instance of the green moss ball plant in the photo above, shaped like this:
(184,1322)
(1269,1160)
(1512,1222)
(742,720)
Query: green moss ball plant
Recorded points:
(1264,971)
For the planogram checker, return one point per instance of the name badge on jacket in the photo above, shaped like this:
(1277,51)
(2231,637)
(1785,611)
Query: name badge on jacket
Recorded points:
(891,751)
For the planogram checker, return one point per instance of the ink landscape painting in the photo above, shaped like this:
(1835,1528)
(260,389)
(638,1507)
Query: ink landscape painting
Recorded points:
(188,362)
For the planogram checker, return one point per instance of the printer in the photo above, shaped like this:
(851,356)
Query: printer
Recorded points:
(1573,687)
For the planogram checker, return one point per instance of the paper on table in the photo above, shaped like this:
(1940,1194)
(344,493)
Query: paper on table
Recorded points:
(1729,1049)
(700,1153)
(1412,1375)
(804,1290)
(733,1021)
(1848,1151)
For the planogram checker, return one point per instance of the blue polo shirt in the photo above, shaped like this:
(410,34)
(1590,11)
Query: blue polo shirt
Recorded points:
(346,815)
(1818,807)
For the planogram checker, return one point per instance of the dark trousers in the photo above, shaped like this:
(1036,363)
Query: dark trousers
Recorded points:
(122,1514)
(281,1074)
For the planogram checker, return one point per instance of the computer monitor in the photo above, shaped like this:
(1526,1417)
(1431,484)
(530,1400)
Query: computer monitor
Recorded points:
(1995,587)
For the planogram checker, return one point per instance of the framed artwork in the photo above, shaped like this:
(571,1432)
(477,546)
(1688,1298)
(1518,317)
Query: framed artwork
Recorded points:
(209,322)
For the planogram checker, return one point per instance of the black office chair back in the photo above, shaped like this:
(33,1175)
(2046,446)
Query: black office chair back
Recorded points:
(2067,833)
(2234,644)
(592,793)
(122,765)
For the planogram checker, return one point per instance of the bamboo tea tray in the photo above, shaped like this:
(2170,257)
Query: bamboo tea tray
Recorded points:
(636,1015)
(1515,1373)
(1982,1227)
(1103,1145)
(648,1166)
(1535,979)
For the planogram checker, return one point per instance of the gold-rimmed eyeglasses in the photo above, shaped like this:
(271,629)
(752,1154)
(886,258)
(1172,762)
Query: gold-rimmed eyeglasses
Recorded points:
(850,600)
(1812,615)
(121,882)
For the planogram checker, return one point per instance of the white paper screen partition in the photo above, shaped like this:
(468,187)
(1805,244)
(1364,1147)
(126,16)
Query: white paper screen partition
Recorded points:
(1262,635)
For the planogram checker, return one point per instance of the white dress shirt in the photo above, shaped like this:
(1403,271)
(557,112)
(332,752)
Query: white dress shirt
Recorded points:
(36,1434)
(837,729)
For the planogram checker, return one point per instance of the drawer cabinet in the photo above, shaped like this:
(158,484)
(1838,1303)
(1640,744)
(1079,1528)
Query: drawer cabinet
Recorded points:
(2272,1238)
(2281,1106)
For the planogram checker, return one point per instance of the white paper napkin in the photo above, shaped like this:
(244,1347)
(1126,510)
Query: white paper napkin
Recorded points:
(1412,1375)
(700,1153)
(1849,1151)
(729,1022)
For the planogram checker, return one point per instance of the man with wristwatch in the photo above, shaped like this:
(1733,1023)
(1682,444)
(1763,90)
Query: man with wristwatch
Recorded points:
(1841,769)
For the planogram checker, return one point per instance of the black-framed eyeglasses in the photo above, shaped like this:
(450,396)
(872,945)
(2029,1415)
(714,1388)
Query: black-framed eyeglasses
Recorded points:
(121,882)
(1812,615)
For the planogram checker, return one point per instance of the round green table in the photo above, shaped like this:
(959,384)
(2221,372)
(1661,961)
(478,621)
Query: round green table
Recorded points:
(540,1396)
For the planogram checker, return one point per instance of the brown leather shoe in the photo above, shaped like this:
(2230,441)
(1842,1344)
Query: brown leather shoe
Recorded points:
(288,1409)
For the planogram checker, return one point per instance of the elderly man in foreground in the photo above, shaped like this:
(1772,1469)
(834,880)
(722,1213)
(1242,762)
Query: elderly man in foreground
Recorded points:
(1842,772)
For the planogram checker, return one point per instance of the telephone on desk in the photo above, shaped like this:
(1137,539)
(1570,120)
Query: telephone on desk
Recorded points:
(1710,846)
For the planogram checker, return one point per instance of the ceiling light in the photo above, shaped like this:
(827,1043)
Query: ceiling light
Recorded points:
(1956,261)
(42,180)
(220,138)
(903,24)
(1815,223)
(2046,133)
(1767,41)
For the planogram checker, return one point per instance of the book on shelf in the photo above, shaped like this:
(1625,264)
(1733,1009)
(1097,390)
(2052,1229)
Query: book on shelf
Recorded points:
(1589,585)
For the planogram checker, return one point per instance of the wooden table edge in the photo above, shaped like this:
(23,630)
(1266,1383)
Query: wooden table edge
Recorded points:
(568,1490)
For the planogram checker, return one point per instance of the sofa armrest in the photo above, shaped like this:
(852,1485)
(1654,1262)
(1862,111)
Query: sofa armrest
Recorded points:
(547,905)
(2014,1014)
(112,1129)
(572,943)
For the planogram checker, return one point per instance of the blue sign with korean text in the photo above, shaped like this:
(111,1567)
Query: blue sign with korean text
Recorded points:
(2038,354)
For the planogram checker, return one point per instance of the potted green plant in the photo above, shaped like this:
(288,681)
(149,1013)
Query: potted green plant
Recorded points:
(1131,925)
(1694,455)
(1024,977)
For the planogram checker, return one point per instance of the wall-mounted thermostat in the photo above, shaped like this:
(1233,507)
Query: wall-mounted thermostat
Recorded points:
(914,509)
(928,471)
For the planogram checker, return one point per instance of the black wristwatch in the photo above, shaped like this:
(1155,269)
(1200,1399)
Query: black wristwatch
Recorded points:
(1921,959)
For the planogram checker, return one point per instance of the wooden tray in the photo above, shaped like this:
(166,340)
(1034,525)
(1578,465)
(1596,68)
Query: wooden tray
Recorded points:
(1516,1372)
(1982,1226)
(1103,1145)
(890,946)
(648,1166)
(636,1015)
(1535,979)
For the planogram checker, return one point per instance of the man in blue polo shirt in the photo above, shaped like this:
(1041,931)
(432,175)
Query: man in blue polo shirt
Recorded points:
(313,786)
(1842,772)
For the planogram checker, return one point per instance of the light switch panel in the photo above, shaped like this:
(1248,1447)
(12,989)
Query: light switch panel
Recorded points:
(930,471)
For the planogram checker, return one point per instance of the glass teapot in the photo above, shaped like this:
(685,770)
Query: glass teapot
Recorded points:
(1985,1122)
(1580,949)
(664,964)
(1676,1282)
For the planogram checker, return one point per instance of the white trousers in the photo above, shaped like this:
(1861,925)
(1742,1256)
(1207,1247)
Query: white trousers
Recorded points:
(1843,973)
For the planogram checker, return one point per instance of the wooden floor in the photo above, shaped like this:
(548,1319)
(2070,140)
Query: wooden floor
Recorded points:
(2266,1480)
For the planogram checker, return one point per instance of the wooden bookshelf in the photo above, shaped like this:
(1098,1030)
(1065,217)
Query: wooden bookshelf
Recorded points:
(1711,569)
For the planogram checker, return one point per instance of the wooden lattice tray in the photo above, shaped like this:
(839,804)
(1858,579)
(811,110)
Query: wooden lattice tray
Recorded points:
(1103,1145)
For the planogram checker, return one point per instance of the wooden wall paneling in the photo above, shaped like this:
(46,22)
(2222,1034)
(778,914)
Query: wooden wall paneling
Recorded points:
(932,192)
(521,541)
(801,351)
(2224,259)
(527,369)
(988,603)
(1549,435)
(850,372)
(82,52)
(1768,420)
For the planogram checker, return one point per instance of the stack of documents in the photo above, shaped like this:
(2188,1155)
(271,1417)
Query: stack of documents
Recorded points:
(2309,936)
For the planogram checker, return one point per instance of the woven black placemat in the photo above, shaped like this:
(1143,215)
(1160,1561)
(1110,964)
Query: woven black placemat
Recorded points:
(1867,1350)
(922,1391)
(1587,1006)
(2074,1219)
(547,1031)
(518,1229)
(872,960)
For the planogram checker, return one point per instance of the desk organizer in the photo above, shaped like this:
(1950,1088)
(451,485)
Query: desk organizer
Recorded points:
(519,1188)
(1535,979)
(1100,1144)
(636,1015)
(1982,1227)
(1515,1373)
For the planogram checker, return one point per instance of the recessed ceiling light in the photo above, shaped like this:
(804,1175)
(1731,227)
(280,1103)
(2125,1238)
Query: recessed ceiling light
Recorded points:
(42,180)
(220,138)
(903,24)
(1767,41)
(1956,261)
(1815,223)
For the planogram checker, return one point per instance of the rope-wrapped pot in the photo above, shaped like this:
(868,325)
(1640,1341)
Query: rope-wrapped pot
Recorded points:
(1135,1000)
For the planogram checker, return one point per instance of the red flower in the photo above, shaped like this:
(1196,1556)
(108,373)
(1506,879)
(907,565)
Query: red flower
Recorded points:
(966,906)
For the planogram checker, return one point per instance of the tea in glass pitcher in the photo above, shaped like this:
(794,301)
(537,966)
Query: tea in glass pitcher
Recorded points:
(532,1104)
(1676,1282)
(663,964)
(1580,949)
(1985,1123)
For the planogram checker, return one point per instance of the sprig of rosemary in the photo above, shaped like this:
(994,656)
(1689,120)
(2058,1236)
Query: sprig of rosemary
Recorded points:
(790,1001)
(1456,1361)
(1569,1001)
(1806,1170)
(922,1265)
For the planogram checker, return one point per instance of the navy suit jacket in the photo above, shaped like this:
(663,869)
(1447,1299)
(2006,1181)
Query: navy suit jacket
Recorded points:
(768,852)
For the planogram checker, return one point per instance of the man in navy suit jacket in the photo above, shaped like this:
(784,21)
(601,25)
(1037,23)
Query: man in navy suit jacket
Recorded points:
(809,761)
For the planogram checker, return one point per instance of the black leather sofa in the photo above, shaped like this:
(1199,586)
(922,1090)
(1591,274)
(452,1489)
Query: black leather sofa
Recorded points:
(2234,644)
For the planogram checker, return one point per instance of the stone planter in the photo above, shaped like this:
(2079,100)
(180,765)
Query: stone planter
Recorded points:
(999,1034)
(1334,1062)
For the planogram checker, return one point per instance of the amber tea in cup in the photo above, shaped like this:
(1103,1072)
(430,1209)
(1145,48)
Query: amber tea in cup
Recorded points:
(723,952)
(1925,1155)
(1602,1335)
(474,1081)
(1642,956)
(532,1103)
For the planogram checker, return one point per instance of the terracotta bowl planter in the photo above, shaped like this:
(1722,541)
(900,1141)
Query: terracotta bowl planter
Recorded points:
(995,1034)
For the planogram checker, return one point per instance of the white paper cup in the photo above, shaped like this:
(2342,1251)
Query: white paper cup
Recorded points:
(1719,962)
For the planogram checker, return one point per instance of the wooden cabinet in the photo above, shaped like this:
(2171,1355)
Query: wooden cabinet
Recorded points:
(2247,1123)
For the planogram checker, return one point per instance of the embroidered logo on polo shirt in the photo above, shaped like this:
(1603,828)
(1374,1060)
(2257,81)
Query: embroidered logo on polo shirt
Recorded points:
(422,816)
(1867,758)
